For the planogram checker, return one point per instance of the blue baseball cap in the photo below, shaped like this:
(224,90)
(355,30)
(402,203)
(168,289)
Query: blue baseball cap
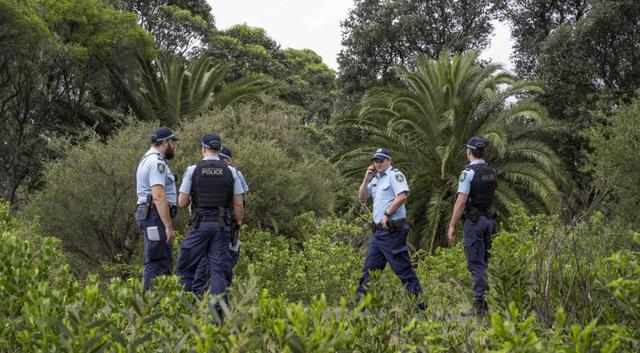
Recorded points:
(225,153)
(211,141)
(163,133)
(476,143)
(381,153)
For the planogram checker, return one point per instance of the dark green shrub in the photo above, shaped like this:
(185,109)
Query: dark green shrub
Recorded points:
(614,160)
(319,264)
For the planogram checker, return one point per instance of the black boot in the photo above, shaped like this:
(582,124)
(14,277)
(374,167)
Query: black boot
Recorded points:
(480,308)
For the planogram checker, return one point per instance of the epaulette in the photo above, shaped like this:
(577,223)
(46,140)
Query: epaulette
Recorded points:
(160,158)
(398,174)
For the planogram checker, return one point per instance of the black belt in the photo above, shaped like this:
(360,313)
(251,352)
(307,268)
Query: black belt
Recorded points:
(394,225)
(173,210)
(209,218)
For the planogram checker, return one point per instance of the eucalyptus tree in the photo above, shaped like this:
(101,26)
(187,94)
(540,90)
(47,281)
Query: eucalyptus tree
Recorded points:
(427,120)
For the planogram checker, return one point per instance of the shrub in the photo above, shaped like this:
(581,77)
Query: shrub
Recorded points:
(614,160)
(542,265)
(88,197)
(45,309)
(319,264)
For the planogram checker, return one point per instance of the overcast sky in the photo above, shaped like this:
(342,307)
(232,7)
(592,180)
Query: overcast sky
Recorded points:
(315,25)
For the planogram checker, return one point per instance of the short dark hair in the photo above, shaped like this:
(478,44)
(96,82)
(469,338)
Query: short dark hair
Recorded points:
(157,143)
(477,153)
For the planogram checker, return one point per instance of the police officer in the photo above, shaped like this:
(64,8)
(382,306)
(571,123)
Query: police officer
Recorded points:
(202,273)
(156,204)
(389,189)
(214,192)
(476,188)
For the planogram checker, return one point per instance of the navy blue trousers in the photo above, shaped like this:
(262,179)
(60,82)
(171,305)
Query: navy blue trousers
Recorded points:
(387,247)
(202,273)
(207,241)
(477,242)
(158,258)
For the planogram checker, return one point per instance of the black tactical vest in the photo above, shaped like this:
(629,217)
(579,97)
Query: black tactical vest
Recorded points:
(483,186)
(211,186)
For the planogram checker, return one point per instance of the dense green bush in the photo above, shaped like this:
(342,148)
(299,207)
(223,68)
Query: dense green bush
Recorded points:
(45,309)
(615,144)
(543,265)
(88,197)
(319,264)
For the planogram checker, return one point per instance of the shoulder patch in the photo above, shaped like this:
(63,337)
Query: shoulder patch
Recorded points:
(399,177)
(161,168)
(463,175)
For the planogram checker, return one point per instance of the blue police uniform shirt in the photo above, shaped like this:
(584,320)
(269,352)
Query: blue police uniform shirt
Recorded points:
(384,187)
(185,187)
(464,182)
(153,170)
(245,187)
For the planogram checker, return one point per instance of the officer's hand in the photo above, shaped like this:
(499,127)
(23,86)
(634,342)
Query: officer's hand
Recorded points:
(171,236)
(385,222)
(370,172)
(235,234)
(452,235)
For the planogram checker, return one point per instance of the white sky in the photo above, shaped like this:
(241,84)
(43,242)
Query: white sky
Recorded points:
(315,25)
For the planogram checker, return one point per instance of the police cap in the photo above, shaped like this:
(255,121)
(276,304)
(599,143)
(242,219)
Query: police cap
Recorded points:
(211,141)
(381,153)
(476,143)
(225,153)
(163,133)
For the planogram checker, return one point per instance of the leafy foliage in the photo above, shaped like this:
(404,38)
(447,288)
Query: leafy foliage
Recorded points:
(172,91)
(543,265)
(179,27)
(614,141)
(584,52)
(377,36)
(45,308)
(531,22)
(306,80)
(56,70)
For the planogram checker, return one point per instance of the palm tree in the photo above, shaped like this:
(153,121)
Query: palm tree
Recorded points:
(427,121)
(170,91)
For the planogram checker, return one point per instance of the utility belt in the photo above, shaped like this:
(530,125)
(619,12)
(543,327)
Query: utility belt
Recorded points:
(150,206)
(395,225)
(222,215)
(474,214)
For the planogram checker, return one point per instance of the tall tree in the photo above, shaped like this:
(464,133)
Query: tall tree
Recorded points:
(531,21)
(248,50)
(311,84)
(306,80)
(56,73)
(377,35)
(427,121)
(178,26)
(588,59)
